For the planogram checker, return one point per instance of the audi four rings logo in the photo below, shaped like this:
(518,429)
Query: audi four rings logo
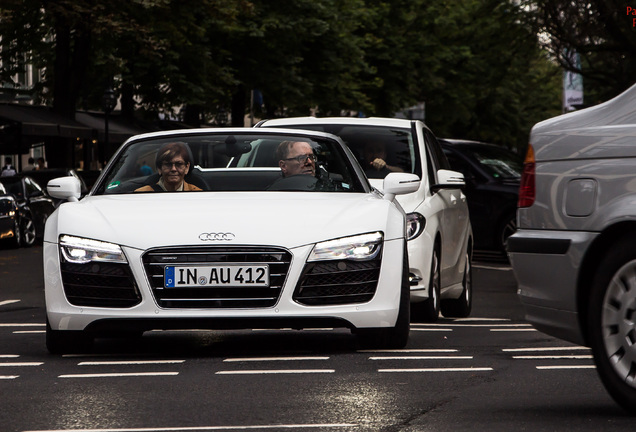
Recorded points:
(216,236)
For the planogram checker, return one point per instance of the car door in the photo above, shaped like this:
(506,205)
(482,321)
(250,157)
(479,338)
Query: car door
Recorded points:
(454,225)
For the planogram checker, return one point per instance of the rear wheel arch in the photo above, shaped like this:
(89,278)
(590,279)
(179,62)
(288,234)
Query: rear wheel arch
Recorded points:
(589,265)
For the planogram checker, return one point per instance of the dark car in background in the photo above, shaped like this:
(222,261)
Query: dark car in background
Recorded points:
(492,174)
(43,176)
(34,206)
(9,219)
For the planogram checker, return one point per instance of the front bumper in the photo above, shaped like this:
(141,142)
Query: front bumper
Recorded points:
(546,265)
(380,311)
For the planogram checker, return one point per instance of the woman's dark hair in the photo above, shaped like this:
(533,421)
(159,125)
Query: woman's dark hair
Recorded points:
(168,151)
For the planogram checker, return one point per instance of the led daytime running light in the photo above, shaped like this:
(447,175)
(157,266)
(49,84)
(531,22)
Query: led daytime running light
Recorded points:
(361,247)
(81,250)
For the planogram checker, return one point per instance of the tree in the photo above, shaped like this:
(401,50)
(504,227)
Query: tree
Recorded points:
(600,31)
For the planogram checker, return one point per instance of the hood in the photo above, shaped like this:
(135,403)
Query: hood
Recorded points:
(288,219)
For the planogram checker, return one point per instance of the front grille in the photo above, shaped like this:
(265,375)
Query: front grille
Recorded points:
(338,282)
(205,297)
(99,285)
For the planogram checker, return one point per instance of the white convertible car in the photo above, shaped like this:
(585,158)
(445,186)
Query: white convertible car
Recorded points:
(238,247)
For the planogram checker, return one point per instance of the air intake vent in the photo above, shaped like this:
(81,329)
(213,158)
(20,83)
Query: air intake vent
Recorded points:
(214,297)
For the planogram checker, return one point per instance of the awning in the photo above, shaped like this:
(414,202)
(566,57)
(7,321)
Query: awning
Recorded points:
(40,121)
(118,130)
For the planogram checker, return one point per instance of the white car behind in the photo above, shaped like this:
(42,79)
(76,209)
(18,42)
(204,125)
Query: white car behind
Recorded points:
(440,239)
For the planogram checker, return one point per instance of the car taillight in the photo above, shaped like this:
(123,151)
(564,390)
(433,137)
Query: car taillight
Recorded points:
(527,188)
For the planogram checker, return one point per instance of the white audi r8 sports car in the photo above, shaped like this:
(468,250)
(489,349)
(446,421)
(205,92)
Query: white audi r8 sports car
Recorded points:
(298,240)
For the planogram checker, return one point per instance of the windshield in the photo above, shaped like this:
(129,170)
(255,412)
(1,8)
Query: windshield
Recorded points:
(499,162)
(222,162)
(394,146)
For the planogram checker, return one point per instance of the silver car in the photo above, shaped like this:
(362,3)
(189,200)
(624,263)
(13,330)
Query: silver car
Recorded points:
(574,253)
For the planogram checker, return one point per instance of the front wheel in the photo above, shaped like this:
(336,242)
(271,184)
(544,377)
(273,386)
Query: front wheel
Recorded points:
(612,322)
(461,307)
(428,310)
(508,228)
(29,233)
(64,341)
(393,337)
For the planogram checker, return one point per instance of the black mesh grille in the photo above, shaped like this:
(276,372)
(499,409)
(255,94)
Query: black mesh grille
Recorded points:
(99,285)
(338,282)
(276,259)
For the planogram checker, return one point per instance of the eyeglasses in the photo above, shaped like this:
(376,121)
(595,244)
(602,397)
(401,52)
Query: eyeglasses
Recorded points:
(302,158)
(178,165)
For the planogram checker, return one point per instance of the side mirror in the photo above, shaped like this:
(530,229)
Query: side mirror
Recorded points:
(448,180)
(66,188)
(399,184)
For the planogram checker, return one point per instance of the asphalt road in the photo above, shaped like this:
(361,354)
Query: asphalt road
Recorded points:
(491,372)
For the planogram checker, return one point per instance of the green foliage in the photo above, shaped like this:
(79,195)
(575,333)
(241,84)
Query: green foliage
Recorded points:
(603,34)
(476,63)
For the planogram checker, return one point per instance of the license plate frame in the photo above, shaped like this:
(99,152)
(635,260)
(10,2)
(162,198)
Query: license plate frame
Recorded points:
(215,276)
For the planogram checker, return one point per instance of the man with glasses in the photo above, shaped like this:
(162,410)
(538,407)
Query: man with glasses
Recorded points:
(296,157)
(173,163)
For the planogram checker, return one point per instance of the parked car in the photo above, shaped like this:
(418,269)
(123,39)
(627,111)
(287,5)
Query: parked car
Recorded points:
(440,242)
(492,175)
(573,253)
(251,249)
(9,219)
(43,176)
(34,206)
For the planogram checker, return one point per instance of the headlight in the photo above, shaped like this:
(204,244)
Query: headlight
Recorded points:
(360,247)
(81,251)
(415,224)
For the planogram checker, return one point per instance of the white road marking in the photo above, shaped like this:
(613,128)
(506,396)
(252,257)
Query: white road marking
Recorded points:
(7,302)
(430,350)
(8,377)
(29,332)
(555,357)
(279,371)
(514,330)
(259,359)
(209,428)
(423,358)
(471,319)
(563,348)
(484,369)
(567,367)
(22,325)
(470,325)
(118,375)
(133,362)
(21,364)
(432,329)
(9,356)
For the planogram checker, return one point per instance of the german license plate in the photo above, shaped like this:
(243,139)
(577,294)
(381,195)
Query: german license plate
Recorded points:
(216,276)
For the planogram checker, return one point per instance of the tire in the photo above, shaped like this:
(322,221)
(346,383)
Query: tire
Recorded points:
(508,228)
(29,232)
(461,307)
(16,240)
(612,323)
(63,342)
(393,337)
(428,310)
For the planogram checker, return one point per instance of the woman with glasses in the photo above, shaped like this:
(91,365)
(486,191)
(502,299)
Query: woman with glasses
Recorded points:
(173,163)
